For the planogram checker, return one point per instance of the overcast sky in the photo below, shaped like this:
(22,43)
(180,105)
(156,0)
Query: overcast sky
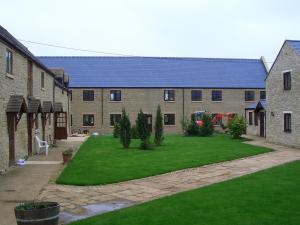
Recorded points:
(190,28)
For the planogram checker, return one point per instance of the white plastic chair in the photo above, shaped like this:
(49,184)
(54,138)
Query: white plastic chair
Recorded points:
(41,145)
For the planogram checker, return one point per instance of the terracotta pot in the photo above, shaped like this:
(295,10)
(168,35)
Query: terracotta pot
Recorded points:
(66,158)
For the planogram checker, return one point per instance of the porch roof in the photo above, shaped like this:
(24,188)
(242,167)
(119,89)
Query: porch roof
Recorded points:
(58,107)
(47,107)
(262,104)
(16,104)
(34,106)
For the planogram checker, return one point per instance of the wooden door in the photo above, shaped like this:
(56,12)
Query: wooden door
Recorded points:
(29,133)
(60,125)
(11,138)
(262,124)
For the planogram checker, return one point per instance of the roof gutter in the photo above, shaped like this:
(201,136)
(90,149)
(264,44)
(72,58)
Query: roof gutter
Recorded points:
(42,66)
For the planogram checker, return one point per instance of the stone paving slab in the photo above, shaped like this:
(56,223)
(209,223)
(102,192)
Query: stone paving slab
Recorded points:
(75,199)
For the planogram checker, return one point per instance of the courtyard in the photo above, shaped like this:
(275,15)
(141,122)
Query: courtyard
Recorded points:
(102,160)
(190,185)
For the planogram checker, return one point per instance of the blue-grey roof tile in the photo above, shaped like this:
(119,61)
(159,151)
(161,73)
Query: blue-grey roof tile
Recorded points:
(147,72)
(294,44)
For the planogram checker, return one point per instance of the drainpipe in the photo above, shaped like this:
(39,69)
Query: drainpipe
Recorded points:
(69,115)
(183,103)
(102,106)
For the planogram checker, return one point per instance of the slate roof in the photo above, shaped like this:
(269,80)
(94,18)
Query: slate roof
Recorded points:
(58,107)
(47,107)
(16,104)
(34,106)
(156,72)
(14,43)
(294,44)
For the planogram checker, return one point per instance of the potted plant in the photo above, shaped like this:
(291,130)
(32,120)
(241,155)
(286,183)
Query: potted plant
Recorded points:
(67,155)
(38,213)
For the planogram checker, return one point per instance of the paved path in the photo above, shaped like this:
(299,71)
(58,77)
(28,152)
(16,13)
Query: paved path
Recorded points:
(24,183)
(79,202)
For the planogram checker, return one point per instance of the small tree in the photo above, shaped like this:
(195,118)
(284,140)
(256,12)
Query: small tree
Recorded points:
(193,128)
(134,132)
(125,130)
(158,127)
(116,131)
(237,126)
(143,130)
(207,128)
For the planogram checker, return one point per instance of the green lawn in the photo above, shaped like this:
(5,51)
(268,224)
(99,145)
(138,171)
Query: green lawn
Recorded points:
(270,197)
(102,160)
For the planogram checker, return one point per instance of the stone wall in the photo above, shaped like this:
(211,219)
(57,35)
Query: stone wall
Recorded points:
(280,100)
(16,84)
(147,99)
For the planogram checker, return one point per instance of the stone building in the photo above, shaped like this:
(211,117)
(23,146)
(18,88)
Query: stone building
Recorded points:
(283,96)
(31,100)
(102,86)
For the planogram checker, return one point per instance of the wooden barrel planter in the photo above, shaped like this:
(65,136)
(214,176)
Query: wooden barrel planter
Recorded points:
(39,213)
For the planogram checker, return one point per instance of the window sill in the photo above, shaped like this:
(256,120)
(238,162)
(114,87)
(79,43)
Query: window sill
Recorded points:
(250,101)
(10,76)
(217,101)
(43,89)
(196,101)
(287,131)
(169,101)
(114,101)
(88,101)
(88,126)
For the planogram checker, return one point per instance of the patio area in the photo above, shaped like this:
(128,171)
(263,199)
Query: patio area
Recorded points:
(24,183)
